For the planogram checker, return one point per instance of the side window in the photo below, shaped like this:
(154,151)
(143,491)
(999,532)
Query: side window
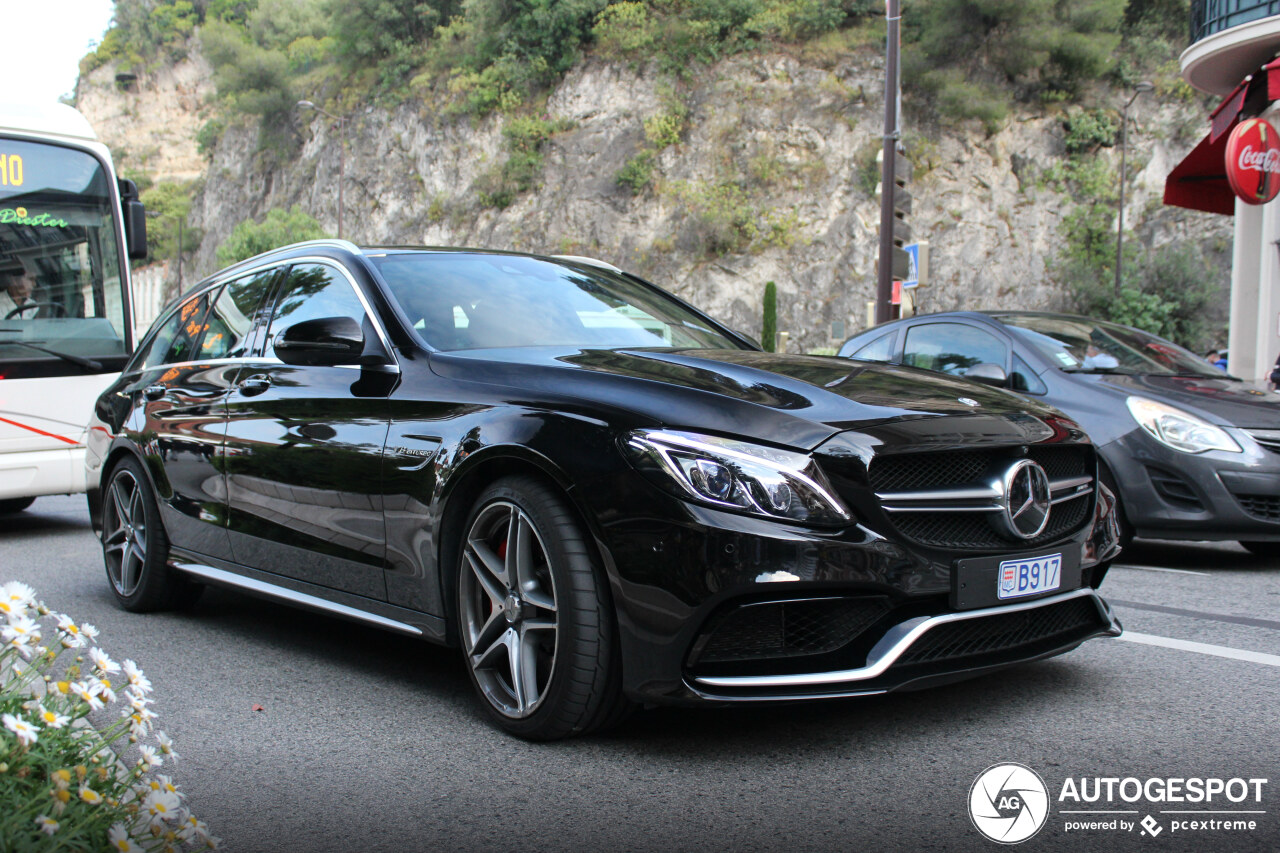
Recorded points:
(178,338)
(1024,379)
(231,320)
(313,291)
(951,348)
(881,349)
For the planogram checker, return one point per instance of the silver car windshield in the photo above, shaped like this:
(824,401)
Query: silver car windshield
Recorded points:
(1080,345)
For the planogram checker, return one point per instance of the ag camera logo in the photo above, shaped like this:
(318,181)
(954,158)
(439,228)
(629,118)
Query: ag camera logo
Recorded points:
(1008,803)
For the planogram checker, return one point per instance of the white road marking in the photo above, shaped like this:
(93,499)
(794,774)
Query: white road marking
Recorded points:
(1201,648)
(1158,569)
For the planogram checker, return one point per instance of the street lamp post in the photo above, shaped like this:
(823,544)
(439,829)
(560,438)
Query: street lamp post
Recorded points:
(342,153)
(1138,89)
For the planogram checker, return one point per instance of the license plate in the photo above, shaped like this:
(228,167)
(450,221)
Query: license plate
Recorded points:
(1017,578)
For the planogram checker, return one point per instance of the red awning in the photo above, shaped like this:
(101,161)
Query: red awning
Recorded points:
(1199,182)
(1225,114)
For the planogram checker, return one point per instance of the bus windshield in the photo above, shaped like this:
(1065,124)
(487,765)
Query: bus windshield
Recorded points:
(62,292)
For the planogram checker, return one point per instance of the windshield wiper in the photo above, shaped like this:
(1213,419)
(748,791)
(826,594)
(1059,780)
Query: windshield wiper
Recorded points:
(1110,370)
(87,363)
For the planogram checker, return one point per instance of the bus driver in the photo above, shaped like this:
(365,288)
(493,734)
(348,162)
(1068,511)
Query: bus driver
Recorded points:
(16,293)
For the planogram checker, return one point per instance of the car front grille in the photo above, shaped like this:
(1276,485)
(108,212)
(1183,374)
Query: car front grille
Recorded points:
(911,489)
(1005,632)
(787,629)
(1268,438)
(971,530)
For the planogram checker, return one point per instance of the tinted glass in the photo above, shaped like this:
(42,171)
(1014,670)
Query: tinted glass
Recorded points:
(178,337)
(231,319)
(881,349)
(951,348)
(1025,379)
(465,301)
(1076,344)
(313,291)
(60,283)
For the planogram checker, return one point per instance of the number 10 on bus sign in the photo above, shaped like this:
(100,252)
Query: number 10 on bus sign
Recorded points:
(10,170)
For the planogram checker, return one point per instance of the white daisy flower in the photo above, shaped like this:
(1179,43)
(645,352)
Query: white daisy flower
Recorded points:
(118,838)
(102,662)
(70,632)
(17,594)
(87,695)
(89,795)
(162,806)
(102,688)
(193,828)
(27,733)
(51,719)
(149,760)
(47,824)
(166,745)
(136,677)
(21,630)
(90,632)
(164,783)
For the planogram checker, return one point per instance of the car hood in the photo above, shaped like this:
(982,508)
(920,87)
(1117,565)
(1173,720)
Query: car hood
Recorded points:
(790,399)
(1226,402)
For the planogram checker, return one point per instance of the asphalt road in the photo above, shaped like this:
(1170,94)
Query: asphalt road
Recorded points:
(369,742)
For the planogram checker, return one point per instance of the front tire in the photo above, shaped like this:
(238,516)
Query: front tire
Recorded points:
(534,617)
(135,547)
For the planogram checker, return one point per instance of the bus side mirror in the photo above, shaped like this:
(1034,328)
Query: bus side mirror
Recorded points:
(135,220)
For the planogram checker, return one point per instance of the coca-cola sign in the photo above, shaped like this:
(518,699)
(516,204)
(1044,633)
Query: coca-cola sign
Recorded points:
(1253,161)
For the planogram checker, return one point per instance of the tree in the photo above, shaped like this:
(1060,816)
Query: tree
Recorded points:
(769,331)
(279,228)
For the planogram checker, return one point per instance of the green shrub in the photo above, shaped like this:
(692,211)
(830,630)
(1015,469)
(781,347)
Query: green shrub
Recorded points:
(1088,130)
(769,326)
(636,173)
(624,30)
(279,228)
(664,129)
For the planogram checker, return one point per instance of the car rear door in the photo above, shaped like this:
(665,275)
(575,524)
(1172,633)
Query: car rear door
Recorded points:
(304,449)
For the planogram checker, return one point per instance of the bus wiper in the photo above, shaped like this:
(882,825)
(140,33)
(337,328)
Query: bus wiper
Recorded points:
(87,363)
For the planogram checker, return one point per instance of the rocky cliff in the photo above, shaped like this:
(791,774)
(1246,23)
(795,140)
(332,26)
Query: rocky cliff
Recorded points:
(759,168)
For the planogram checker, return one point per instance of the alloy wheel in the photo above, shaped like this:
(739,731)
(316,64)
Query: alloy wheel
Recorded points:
(509,619)
(124,543)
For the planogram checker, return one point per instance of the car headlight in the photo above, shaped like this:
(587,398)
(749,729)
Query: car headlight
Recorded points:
(1178,429)
(737,475)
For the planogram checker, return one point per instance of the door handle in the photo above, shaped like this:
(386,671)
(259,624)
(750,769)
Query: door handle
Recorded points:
(154,392)
(254,385)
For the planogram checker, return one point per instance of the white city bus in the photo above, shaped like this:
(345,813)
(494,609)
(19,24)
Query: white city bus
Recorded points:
(68,228)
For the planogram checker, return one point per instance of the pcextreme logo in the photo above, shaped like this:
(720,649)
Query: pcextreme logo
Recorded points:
(1009,803)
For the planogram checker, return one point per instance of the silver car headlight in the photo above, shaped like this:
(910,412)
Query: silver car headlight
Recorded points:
(1178,429)
(724,472)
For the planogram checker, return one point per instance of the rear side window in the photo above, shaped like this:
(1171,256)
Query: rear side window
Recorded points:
(231,320)
(177,339)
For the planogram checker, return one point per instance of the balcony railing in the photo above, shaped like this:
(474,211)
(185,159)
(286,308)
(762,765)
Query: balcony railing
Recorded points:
(1213,16)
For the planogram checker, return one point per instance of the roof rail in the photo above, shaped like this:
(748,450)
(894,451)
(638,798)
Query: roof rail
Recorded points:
(327,241)
(591,262)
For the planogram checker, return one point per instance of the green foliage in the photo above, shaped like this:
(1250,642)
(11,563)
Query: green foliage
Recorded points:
(167,204)
(664,129)
(624,30)
(144,30)
(636,173)
(769,328)
(386,34)
(1166,291)
(972,57)
(279,228)
(726,219)
(525,137)
(208,135)
(1088,130)
(253,80)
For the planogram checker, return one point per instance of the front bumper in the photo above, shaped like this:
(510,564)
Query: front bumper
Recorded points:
(931,649)
(1166,494)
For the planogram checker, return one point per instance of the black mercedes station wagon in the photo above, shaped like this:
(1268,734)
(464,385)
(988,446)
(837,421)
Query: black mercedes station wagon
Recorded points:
(605,497)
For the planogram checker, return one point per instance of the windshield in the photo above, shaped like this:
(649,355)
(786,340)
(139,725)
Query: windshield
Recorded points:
(61,289)
(462,301)
(1080,345)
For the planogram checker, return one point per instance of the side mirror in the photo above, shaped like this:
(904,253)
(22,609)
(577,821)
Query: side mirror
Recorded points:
(988,374)
(135,220)
(323,342)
